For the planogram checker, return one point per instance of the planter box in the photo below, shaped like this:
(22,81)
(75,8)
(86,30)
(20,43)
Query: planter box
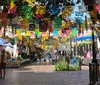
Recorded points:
(16,64)
(9,63)
(86,61)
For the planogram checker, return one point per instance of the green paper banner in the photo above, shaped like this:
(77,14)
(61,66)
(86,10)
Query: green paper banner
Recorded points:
(57,23)
(27,12)
(74,32)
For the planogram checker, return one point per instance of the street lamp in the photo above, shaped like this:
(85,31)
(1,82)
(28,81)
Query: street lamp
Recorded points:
(94,60)
(93,67)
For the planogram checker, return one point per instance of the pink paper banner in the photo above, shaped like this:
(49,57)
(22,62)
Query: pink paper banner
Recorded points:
(12,11)
(98,8)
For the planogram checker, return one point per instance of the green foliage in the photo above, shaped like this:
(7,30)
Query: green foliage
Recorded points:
(73,67)
(20,58)
(61,66)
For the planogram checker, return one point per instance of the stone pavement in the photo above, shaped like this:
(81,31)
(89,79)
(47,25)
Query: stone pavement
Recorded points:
(45,75)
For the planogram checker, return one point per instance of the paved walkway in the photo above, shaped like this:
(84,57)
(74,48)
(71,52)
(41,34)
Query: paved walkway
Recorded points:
(45,75)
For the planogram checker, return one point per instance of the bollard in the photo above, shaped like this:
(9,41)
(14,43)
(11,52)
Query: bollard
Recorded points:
(68,61)
(94,73)
(79,63)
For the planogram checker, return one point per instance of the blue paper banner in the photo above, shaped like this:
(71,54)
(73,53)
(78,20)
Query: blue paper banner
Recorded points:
(78,14)
(54,10)
(55,33)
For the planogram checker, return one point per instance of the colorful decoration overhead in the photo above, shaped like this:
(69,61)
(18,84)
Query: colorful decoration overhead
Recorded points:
(41,19)
(55,33)
(57,23)
(12,5)
(54,9)
(40,11)
(67,11)
(43,25)
(29,1)
(12,8)
(24,23)
(27,12)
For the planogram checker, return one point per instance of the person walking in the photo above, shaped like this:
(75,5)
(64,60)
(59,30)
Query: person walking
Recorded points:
(48,58)
(3,64)
(53,58)
(0,65)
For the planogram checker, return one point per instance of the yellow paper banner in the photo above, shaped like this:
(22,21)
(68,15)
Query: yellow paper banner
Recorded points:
(28,33)
(12,5)
(24,24)
(30,0)
(18,32)
(19,36)
(67,11)
(41,10)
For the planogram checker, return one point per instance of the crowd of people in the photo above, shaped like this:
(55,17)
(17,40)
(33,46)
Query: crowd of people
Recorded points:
(43,57)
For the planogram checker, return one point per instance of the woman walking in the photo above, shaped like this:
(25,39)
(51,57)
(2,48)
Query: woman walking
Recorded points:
(3,64)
